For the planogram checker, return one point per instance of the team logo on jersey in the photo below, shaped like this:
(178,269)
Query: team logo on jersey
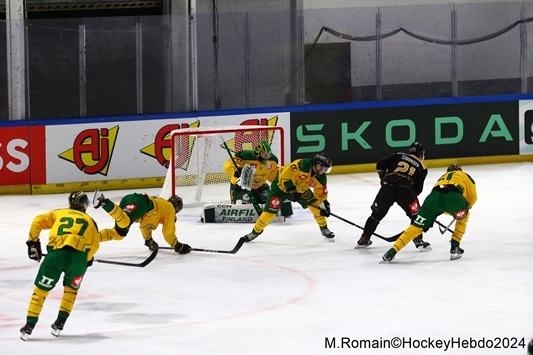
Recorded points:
(46,282)
(460,214)
(302,177)
(312,184)
(161,151)
(414,207)
(130,207)
(274,203)
(76,281)
(325,190)
(92,150)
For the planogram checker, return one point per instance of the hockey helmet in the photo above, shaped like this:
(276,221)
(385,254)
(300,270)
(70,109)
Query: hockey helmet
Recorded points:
(78,201)
(263,147)
(177,202)
(324,160)
(454,167)
(416,148)
(530,348)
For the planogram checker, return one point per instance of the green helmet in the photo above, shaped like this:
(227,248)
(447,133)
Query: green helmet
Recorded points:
(454,167)
(78,201)
(262,147)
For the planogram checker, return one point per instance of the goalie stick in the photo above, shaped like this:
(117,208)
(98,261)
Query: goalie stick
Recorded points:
(232,251)
(123,263)
(258,209)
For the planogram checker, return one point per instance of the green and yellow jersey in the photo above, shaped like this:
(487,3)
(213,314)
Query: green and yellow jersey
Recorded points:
(163,212)
(299,174)
(68,227)
(463,182)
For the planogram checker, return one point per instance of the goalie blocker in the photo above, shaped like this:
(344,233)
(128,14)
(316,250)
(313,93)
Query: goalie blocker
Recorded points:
(227,213)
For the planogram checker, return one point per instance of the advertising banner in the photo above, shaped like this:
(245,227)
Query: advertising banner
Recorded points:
(127,149)
(19,160)
(526,127)
(359,136)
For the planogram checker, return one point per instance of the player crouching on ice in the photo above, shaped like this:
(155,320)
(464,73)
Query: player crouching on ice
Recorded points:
(149,212)
(294,182)
(454,194)
(264,167)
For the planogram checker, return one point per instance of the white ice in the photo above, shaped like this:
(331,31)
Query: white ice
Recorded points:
(290,289)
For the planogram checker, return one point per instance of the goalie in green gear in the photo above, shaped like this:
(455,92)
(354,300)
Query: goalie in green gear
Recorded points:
(265,164)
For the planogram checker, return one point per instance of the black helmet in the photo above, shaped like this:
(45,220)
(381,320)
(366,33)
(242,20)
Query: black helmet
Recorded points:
(177,202)
(530,348)
(417,149)
(324,160)
(78,201)
(454,167)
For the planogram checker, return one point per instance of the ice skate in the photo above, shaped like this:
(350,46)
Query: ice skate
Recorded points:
(330,236)
(456,253)
(421,245)
(363,242)
(387,257)
(98,199)
(26,331)
(57,326)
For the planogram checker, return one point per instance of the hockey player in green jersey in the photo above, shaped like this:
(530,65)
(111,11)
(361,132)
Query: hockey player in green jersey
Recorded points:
(455,194)
(73,241)
(265,164)
(303,181)
(149,212)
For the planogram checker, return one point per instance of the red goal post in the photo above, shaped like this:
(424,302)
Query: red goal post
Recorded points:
(195,170)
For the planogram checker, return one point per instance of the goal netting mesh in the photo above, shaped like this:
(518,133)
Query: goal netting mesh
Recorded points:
(198,155)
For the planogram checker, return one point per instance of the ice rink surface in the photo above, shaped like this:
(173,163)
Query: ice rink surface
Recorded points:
(290,291)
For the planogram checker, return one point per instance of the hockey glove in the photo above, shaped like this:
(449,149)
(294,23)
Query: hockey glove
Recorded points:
(381,174)
(182,248)
(90,262)
(237,173)
(34,250)
(325,209)
(151,244)
(292,195)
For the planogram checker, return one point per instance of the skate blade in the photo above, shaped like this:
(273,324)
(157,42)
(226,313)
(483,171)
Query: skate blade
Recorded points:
(56,332)
(330,239)
(24,336)
(455,256)
(357,246)
(422,250)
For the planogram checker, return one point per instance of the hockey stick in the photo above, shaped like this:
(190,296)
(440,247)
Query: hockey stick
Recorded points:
(143,264)
(443,228)
(387,239)
(232,251)
(258,209)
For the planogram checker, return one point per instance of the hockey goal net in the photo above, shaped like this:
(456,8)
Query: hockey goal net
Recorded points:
(195,172)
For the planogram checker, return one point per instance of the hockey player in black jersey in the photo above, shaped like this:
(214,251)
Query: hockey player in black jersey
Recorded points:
(402,178)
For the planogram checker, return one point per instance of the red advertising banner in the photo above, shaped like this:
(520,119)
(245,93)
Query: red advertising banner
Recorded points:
(16,166)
